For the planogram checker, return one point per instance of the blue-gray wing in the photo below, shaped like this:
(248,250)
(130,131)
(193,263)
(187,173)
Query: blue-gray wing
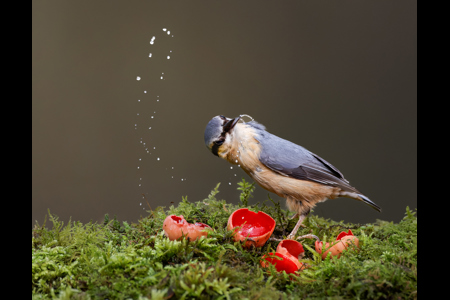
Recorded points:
(292,160)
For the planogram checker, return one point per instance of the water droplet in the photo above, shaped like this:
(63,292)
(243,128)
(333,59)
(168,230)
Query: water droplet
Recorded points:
(140,178)
(239,166)
(172,176)
(149,55)
(149,128)
(164,29)
(229,183)
(154,147)
(172,168)
(138,168)
(234,174)
(152,41)
(158,158)
(162,77)
(140,203)
(236,161)
(181,179)
(140,184)
(170,51)
(138,78)
(152,117)
(168,32)
(140,159)
(145,92)
(168,56)
(231,167)
(139,100)
(138,114)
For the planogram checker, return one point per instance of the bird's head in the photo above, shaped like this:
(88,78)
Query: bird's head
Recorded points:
(218,133)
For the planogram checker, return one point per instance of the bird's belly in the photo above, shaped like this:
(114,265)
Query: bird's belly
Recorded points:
(265,180)
(288,187)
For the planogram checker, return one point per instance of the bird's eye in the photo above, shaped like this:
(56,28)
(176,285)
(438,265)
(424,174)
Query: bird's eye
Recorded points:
(219,142)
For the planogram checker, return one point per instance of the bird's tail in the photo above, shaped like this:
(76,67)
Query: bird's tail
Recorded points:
(362,198)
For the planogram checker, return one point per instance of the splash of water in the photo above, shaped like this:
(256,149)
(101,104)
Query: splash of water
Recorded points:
(144,118)
(245,115)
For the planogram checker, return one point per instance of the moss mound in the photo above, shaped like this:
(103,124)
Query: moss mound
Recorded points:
(117,260)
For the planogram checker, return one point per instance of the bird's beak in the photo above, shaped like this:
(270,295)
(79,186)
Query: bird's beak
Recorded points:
(230,124)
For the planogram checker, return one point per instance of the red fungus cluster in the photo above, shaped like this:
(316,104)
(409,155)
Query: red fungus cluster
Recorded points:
(176,226)
(255,229)
(288,252)
(343,240)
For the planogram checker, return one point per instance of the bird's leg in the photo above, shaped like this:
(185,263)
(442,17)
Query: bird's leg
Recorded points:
(297,226)
(295,216)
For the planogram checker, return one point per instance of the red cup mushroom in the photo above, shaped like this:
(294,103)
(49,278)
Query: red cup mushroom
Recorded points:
(290,251)
(176,226)
(283,263)
(255,227)
(343,240)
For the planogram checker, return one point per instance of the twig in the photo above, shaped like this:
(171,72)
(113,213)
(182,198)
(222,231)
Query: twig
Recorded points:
(151,210)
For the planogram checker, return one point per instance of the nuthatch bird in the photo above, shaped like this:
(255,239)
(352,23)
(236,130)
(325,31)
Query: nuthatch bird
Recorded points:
(279,166)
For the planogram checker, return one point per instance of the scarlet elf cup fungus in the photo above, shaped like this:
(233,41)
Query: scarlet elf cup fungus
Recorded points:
(176,226)
(289,252)
(256,228)
(343,240)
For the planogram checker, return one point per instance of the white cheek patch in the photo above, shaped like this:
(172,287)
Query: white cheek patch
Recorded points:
(228,139)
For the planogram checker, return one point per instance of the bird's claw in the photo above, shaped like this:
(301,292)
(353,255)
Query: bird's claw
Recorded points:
(308,236)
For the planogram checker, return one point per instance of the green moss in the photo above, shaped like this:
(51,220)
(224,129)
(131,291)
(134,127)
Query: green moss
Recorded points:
(117,260)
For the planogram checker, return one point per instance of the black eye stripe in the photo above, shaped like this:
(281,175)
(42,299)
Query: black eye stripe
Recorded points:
(215,149)
(216,146)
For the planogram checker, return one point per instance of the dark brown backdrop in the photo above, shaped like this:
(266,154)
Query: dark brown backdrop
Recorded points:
(337,77)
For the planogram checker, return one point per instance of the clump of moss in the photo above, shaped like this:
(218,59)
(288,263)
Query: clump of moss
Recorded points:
(136,261)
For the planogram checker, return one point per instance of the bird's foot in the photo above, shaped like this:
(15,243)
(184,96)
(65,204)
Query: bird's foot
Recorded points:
(308,236)
(290,236)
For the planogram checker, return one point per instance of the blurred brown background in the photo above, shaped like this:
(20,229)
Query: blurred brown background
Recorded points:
(337,77)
